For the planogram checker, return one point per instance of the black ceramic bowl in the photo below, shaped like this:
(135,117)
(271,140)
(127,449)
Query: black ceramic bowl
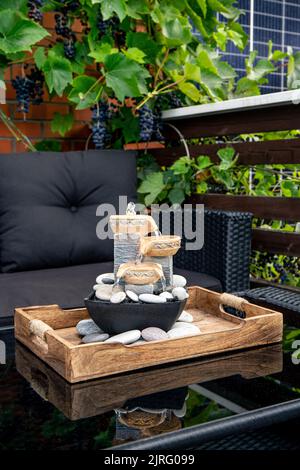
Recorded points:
(117,318)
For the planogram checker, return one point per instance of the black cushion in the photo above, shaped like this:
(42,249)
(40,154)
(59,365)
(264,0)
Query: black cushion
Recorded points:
(48,205)
(66,287)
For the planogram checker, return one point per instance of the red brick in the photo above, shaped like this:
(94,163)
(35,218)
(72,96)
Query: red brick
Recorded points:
(83,115)
(79,130)
(43,111)
(77,26)
(16,70)
(6,146)
(4,131)
(10,91)
(48,20)
(22,147)
(30,129)
(7,74)
(48,133)
(6,108)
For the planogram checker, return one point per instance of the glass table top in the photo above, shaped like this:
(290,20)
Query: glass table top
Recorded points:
(40,410)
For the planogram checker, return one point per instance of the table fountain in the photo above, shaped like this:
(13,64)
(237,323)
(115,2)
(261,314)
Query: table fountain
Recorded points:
(141,292)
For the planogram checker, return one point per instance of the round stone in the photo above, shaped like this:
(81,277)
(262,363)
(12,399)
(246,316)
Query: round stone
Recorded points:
(152,299)
(127,337)
(132,296)
(179,281)
(96,286)
(118,297)
(180,324)
(95,338)
(154,334)
(166,295)
(87,327)
(186,317)
(99,279)
(180,293)
(183,331)
(104,292)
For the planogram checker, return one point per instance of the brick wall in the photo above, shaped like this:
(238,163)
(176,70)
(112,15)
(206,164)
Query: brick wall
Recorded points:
(37,123)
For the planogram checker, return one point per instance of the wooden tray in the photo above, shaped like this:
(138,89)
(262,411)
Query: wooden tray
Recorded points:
(95,397)
(50,333)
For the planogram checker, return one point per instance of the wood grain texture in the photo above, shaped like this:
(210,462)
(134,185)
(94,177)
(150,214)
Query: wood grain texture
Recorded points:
(219,332)
(279,208)
(276,118)
(250,153)
(274,241)
(86,399)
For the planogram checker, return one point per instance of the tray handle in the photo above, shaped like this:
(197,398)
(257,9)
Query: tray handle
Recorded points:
(233,301)
(38,330)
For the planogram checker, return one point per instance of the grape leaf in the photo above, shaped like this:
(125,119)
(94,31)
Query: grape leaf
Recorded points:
(177,31)
(108,8)
(18,33)
(62,123)
(145,43)
(176,195)
(152,186)
(203,6)
(18,5)
(40,57)
(58,73)
(124,76)
(85,91)
(135,54)
(104,49)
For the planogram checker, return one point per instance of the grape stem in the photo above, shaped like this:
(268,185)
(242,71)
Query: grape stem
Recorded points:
(19,136)
(157,91)
(161,66)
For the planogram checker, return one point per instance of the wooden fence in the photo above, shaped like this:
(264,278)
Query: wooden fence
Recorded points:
(274,117)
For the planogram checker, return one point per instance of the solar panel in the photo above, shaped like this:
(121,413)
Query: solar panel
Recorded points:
(275,20)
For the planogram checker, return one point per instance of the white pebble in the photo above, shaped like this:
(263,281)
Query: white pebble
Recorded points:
(180,324)
(182,332)
(186,317)
(104,292)
(127,337)
(179,281)
(166,295)
(118,297)
(101,276)
(132,296)
(180,293)
(152,299)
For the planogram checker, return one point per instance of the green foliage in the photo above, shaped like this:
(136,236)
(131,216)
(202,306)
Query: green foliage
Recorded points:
(62,123)
(48,145)
(164,55)
(201,175)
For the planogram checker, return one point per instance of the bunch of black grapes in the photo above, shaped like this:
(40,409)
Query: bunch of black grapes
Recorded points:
(100,117)
(62,29)
(150,122)
(29,89)
(112,26)
(34,11)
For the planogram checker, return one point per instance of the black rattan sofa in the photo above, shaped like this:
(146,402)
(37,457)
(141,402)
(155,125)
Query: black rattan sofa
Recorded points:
(49,251)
